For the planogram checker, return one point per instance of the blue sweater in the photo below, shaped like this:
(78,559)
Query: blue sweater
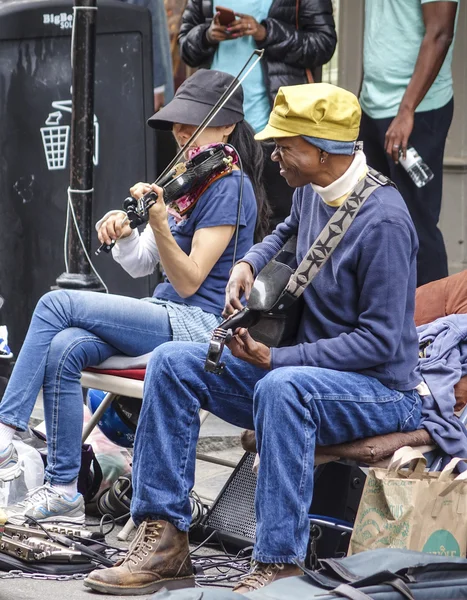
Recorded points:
(443,364)
(359,309)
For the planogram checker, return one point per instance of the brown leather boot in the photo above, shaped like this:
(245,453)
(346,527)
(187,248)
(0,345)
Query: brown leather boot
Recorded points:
(248,441)
(263,574)
(158,557)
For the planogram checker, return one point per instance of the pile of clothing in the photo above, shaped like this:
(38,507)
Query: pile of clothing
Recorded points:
(441,318)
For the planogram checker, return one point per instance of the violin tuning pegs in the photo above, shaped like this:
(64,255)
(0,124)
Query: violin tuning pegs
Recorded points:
(129,203)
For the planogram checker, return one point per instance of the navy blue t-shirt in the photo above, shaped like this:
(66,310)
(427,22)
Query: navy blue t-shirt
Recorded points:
(217,206)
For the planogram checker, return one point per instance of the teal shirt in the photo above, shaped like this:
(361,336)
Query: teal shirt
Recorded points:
(394,31)
(231,55)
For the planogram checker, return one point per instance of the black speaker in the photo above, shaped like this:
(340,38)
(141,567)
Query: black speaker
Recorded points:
(232,515)
(337,492)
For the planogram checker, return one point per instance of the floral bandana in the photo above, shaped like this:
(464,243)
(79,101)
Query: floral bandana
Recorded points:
(179,208)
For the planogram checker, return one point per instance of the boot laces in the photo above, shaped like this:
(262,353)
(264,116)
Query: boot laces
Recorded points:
(260,574)
(139,549)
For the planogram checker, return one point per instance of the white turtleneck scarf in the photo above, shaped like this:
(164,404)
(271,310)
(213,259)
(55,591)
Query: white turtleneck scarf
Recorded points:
(337,192)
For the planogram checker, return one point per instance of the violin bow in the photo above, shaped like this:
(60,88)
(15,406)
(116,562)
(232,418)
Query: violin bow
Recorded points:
(228,93)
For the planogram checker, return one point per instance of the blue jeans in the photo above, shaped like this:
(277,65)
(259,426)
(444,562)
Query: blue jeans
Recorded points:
(69,331)
(291,409)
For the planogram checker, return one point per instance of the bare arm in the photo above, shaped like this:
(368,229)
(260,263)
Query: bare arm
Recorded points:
(187,272)
(439,19)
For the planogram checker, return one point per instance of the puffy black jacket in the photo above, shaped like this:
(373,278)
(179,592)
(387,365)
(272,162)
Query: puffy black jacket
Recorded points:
(288,52)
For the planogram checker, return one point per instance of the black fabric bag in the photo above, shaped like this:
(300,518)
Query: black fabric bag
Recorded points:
(90,473)
(374,575)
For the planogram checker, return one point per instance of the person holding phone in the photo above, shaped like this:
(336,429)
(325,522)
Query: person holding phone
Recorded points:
(296,37)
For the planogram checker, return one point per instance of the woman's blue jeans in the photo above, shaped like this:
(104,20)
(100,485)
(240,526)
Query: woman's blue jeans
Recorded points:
(292,409)
(69,331)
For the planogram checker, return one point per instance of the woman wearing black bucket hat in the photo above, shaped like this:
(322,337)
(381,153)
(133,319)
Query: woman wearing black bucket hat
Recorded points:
(71,330)
(297,37)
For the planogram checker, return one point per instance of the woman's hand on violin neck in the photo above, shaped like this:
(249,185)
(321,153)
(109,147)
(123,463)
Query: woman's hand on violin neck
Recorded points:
(239,284)
(113,228)
(158,212)
(243,346)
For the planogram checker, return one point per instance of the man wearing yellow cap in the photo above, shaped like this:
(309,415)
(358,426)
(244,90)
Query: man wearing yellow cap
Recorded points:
(349,374)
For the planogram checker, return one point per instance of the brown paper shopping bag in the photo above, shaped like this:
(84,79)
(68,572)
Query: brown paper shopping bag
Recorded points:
(412,509)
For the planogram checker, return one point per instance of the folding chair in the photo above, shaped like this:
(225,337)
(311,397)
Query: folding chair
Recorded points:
(124,376)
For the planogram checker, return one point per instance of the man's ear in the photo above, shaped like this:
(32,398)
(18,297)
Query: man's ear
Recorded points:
(323,155)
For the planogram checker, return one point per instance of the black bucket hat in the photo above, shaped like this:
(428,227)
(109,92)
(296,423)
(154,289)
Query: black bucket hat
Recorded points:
(194,99)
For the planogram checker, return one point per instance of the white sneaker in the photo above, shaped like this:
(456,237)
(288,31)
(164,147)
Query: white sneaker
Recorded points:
(9,466)
(47,505)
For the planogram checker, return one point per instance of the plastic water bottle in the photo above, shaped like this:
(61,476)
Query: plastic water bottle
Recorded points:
(417,169)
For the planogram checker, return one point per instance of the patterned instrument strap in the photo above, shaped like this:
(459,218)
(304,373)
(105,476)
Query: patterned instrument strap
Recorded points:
(332,233)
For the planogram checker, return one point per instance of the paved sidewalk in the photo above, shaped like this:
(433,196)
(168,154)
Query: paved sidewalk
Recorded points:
(218,439)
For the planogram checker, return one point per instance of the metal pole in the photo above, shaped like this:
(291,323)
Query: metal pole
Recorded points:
(79,274)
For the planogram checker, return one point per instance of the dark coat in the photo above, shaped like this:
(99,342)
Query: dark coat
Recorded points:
(288,52)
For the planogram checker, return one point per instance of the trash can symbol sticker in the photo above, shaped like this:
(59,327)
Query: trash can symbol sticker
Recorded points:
(55,137)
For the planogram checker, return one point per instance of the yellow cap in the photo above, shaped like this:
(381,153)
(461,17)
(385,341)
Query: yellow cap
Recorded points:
(317,110)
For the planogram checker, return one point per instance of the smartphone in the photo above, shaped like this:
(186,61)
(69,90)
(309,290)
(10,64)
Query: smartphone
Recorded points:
(226,16)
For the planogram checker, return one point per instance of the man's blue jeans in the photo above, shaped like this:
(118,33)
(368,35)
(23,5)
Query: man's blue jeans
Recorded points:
(291,409)
(69,331)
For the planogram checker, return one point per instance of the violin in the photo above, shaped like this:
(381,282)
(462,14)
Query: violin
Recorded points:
(185,181)
(183,185)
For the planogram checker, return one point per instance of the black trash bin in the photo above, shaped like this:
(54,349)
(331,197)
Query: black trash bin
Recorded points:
(35,116)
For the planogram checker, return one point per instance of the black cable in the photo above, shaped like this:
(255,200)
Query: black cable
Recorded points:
(110,518)
(100,543)
(221,544)
(217,563)
(221,559)
(200,506)
(240,202)
(38,524)
(203,543)
(114,521)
